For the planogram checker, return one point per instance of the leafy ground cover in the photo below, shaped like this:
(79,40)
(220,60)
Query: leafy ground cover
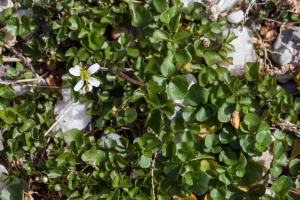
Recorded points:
(138,63)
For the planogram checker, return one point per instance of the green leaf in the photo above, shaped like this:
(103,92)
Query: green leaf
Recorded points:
(183,57)
(160,5)
(171,18)
(181,36)
(161,35)
(253,173)
(198,181)
(252,71)
(253,121)
(7,92)
(76,22)
(155,120)
(93,42)
(74,135)
(225,112)
(177,124)
(231,36)
(172,169)
(13,25)
(139,14)
(14,190)
(93,156)
(8,116)
(130,115)
(203,114)
(263,137)
(145,162)
(282,185)
(211,58)
(294,166)
(189,113)
(83,32)
(167,68)
(211,140)
(228,156)
(29,124)
(177,88)
(197,95)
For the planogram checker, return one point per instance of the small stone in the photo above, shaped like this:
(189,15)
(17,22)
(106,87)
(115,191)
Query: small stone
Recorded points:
(235,17)
(225,5)
(290,87)
(286,77)
(73,114)
(286,47)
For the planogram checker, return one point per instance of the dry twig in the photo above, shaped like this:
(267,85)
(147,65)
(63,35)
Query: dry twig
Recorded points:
(23,80)
(21,57)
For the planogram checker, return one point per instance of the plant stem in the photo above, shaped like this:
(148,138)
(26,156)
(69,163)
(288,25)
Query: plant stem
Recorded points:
(124,76)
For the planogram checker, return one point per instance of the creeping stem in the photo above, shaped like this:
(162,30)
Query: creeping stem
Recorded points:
(124,76)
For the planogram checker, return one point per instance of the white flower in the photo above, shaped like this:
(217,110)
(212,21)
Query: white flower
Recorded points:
(85,76)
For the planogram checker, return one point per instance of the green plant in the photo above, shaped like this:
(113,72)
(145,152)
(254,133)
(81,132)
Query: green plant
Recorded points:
(145,74)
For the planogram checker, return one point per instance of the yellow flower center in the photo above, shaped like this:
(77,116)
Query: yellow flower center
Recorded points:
(85,75)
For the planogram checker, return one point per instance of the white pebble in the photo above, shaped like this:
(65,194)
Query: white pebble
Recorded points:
(235,17)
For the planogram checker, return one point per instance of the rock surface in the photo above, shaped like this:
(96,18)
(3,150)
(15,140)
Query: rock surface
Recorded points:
(244,51)
(236,17)
(287,47)
(222,5)
(73,113)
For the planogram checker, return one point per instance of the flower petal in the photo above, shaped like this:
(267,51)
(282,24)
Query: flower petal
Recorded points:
(75,71)
(93,81)
(94,68)
(90,87)
(79,85)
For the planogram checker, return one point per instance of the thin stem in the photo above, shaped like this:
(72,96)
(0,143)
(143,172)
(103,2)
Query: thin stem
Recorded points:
(152,175)
(124,76)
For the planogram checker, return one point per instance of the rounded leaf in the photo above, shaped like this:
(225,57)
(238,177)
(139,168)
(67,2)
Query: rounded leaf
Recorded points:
(93,156)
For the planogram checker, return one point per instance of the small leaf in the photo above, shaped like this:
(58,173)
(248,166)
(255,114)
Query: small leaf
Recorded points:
(154,120)
(139,14)
(29,124)
(167,68)
(171,18)
(145,162)
(198,181)
(197,95)
(225,112)
(183,57)
(14,190)
(177,88)
(7,92)
(252,71)
(160,5)
(203,114)
(181,36)
(161,35)
(130,115)
(74,135)
(211,57)
(282,185)
(93,156)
